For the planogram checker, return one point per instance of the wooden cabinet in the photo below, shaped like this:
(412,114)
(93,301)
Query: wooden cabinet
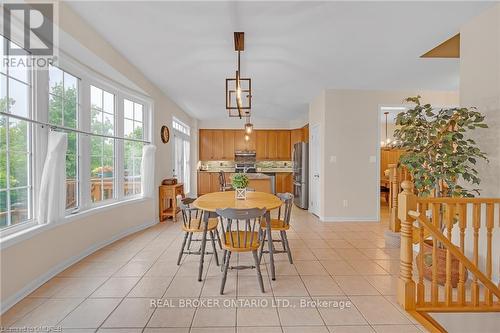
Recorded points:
(272,145)
(239,140)
(260,145)
(228,146)
(305,133)
(284,152)
(205,145)
(284,182)
(203,183)
(217,145)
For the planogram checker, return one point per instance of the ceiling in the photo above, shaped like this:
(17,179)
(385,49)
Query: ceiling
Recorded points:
(293,50)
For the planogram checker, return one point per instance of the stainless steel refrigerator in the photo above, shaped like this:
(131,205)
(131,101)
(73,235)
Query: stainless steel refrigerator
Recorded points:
(301,174)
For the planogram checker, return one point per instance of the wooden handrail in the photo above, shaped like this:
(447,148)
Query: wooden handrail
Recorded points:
(435,232)
(444,200)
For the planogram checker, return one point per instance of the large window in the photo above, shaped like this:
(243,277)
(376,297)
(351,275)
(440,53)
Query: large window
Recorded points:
(182,147)
(133,128)
(63,110)
(102,150)
(15,143)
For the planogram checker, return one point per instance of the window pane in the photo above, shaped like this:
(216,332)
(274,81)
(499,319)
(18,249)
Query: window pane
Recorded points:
(55,80)
(96,97)
(3,167)
(3,209)
(72,143)
(109,102)
(138,112)
(128,128)
(70,82)
(137,131)
(19,205)
(18,166)
(108,124)
(55,109)
(19,95)
(71,181)
(20,72)
(70,108)
(18,135)
(2,50)
(3,93)
(128,109)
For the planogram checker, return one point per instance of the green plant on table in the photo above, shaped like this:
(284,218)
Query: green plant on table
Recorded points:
(239,181)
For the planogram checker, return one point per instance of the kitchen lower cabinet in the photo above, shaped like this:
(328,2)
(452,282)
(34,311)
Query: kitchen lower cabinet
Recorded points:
(284,182)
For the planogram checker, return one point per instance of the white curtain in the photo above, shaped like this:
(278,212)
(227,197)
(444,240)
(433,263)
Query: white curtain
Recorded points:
(148,170)
(52,193)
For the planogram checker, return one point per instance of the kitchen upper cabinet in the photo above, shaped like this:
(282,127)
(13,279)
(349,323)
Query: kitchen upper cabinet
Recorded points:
(206,143)
(239,140)
(228,150)
(272,145)
(284,145)
(305,133)
(260,144)
(217,145)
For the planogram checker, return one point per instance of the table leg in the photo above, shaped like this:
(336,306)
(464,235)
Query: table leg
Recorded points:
(270,245)
(206,215)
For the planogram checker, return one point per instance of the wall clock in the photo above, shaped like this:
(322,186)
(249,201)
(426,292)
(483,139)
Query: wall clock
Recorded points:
(165,134)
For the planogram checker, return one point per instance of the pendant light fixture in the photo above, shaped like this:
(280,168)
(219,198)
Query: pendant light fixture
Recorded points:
(387,140)
(248,126)
(238,89)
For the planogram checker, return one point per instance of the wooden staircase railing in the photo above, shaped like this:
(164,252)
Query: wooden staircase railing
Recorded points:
(460,231)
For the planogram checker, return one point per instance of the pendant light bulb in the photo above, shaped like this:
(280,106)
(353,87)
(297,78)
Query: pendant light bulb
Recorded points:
(248,128)
(247,137)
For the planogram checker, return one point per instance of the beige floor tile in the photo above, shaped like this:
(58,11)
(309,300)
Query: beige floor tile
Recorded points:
(151,287)
(261,313)
(308,329)
(166,330)
(132,312)
(396,329)
(283,268)
(51,287)
(391,266)
(351,254)
(172,317)
(215,317)
(212,284)
(184,286)
(249,286)
(295,315)
(378,311)
(298,254)
(52,311)
(355,285)
(317,244)
(91,313)
(269,329)
(338,267)
(19,310)
(385,284)
(134,268)
(79,287)
(339,244)
(213,330)
(326,254)
(310,268)
(367,267)
(289,286)
(339,311)
(376,254)
(162,268)
(321,285)
(351,329)
(115,287)
(120,330)
(330,235)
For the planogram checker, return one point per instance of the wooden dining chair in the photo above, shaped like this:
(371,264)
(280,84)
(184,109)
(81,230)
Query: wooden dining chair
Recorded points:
(192,223)
(240,229)
(222,182)
(281,224)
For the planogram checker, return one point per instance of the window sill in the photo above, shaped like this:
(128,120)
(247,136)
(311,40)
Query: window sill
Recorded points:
(33,230)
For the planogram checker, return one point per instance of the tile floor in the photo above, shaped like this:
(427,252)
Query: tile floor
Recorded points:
(343,280)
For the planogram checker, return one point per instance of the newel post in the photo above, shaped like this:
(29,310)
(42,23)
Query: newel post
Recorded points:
(407,201)
(394,223)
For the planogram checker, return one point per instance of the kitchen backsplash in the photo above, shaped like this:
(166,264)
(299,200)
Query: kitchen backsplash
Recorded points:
(211,165)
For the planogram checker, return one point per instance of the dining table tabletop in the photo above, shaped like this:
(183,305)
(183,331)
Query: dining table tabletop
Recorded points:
(219,200)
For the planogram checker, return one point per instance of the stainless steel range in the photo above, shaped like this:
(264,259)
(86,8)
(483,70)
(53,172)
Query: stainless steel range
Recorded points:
(245,161)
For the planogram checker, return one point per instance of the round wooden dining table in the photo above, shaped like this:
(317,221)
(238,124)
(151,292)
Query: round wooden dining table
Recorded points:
(210,202)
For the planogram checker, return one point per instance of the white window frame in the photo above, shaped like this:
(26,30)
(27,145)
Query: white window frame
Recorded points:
(145,129)
(182,130)
(39,111)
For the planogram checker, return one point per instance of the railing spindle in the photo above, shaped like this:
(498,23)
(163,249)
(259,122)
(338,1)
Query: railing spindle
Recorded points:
(462,224)
(449,224)
(476,223)
(488,296)
(434,284)
(420,285)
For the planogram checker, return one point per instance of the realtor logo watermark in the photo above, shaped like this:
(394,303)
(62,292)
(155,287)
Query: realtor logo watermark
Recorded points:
(31,29)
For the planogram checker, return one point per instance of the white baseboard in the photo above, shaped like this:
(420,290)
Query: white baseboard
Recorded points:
(347,219)
(33,285)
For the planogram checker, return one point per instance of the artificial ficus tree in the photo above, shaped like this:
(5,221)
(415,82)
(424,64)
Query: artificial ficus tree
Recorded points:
(440,155)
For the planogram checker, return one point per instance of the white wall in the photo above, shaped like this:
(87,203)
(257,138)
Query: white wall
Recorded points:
(350,134)
(30,262)
(480,87)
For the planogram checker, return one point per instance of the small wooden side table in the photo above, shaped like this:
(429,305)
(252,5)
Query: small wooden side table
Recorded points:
(168,200)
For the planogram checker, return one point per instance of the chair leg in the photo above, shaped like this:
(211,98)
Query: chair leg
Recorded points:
(224,255)
(212,237)
(282,240)
(288,251)
(224,275)
(259,274)
(218,238)
(189,241)
(262,242)
(182,248)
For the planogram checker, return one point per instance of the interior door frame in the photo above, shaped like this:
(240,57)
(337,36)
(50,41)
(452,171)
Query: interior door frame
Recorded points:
(314,129)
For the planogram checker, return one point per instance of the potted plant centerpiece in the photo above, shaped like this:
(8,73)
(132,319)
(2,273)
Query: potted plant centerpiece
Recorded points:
(440,156)
(240,182)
